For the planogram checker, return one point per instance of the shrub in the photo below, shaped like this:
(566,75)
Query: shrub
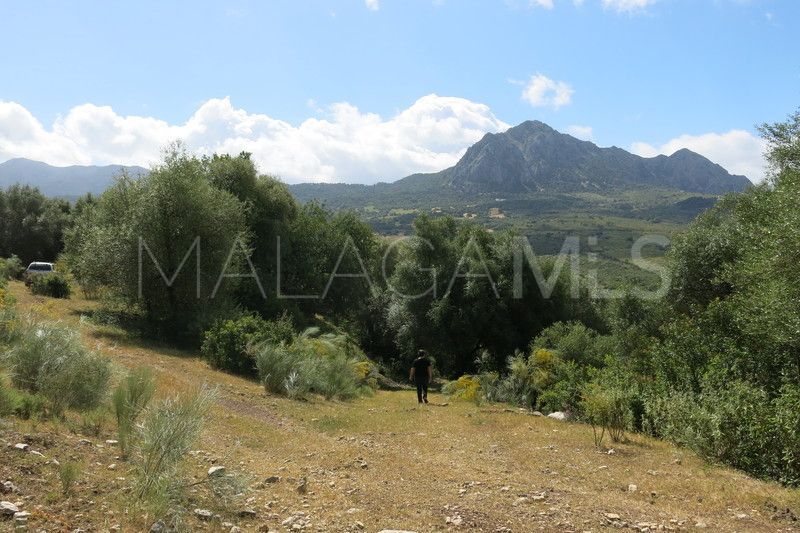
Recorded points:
(55,285)
(11,268)
(130,398)
(518,386)
(167,434)
(739,426)
(312,363)
(787,424)
(50,359)
(464,388)
(225,344)
(607,410)
(26,405)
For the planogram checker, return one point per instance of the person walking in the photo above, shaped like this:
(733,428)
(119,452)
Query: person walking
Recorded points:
(421,374)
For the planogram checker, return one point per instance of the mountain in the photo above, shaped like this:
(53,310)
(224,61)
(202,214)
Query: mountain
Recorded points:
(533,157)
(69,181)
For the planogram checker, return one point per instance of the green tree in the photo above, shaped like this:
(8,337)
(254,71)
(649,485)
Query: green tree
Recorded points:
(167,213)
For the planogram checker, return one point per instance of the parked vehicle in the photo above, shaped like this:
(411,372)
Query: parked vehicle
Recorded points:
(38,268)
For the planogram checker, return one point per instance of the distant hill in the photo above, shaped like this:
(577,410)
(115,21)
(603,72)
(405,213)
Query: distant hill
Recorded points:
(69,181)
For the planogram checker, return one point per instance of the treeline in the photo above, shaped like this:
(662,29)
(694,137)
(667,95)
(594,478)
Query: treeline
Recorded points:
(210,219)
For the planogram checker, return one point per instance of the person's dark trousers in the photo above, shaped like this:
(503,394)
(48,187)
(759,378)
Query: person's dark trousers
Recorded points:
(422,390)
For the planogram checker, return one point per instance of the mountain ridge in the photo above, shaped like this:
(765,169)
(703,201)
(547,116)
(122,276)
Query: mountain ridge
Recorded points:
(531,157)
(67,181)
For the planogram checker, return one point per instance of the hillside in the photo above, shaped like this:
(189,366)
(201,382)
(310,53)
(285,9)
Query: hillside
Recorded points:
(71,181)
(375,463)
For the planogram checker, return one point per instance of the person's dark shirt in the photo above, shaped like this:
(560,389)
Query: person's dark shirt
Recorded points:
(421,366)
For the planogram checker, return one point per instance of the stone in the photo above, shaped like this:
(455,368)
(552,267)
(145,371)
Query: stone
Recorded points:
(37,454)
(85,442)
(8,487)
(248,513)
(235,529)
(558,415)
(272,479)
(21,446)
(611,516)
(203,514)
(632,487)
(537,413)
(158,527)
(112,466)
(455,520)
(22,515)
(112,442)
(216,471)
(8,509)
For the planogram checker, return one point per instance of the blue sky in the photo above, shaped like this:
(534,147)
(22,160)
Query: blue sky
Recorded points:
(343,91)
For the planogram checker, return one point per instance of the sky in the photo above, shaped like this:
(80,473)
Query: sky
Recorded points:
(362,91)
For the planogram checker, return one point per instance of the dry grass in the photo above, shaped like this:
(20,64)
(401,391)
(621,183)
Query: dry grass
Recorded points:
(385,463)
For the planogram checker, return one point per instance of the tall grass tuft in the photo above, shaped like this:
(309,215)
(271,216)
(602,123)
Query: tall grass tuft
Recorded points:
(167,433)
(68,473)
(130,398)
(50,359)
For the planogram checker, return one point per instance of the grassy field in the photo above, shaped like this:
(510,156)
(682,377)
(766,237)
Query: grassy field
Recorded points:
(375,463)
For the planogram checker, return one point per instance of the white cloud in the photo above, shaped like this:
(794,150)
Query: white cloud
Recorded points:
(346,145)
(738,151)
(372,5)
(627,6)
(581,132)
(541,91)
(547,4)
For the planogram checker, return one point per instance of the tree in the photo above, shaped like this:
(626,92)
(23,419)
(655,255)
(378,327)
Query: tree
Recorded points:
(31,225)
(172,219)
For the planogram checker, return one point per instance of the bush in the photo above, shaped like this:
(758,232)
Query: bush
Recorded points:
(312,363)
(51,360)
(19,403)
(130,398)
(464,388)
(787,424)
(11,268)
(54,285)
(739,426)
(225,344)
(167,434)
(607,410)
